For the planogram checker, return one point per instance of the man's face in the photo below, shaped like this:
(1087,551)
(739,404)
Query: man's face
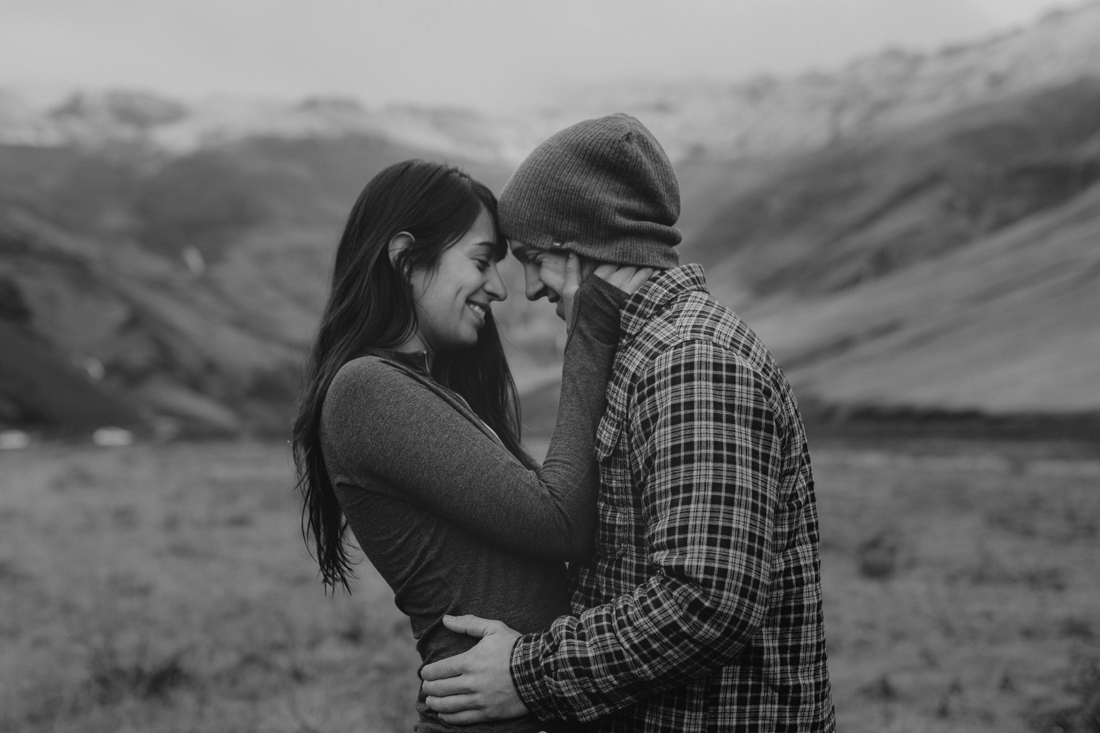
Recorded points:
(543,274)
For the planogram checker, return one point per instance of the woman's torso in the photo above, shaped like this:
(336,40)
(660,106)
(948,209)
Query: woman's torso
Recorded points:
(436,567)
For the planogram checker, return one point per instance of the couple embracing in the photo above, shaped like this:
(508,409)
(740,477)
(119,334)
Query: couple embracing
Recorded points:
(659,571)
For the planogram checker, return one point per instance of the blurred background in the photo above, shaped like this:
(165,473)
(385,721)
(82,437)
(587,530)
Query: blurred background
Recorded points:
(900,198)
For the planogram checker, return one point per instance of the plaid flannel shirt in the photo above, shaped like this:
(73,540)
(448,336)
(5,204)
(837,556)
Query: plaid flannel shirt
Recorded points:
(700,606)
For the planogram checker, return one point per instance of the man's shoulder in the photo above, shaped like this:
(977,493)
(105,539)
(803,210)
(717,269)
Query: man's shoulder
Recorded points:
(696,316)
(695,326)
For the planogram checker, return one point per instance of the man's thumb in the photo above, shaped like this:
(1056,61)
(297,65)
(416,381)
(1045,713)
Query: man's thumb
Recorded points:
(470,625)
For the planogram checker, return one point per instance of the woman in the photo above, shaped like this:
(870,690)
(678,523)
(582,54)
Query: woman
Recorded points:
(409,427)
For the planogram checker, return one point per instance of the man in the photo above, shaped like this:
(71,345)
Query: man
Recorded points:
(699,608)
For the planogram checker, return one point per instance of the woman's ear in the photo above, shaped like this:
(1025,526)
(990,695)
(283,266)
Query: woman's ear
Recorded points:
(398,244)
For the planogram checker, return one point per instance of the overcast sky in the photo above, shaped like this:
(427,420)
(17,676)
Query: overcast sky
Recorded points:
(489,54)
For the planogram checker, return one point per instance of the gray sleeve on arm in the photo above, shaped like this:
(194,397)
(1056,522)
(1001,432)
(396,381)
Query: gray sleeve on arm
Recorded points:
(381,426)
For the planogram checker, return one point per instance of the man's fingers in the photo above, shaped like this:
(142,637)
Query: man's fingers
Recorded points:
(446,686)
(460,663)
(464,718)
(444,668)
(451,704)
(471,625)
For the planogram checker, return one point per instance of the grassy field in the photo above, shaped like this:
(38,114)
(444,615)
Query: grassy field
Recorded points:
(166,588)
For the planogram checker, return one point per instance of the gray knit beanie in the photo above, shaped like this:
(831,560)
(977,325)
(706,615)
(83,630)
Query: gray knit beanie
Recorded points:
(602,188)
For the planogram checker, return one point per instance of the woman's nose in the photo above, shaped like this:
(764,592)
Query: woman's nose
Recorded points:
(495,287)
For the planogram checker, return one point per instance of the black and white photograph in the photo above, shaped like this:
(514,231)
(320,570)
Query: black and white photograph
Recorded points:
(588,366)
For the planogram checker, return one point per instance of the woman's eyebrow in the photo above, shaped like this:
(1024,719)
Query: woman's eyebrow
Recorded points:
(485,248)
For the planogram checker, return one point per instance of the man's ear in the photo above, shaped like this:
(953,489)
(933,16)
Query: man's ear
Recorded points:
(588,265)
(398,244)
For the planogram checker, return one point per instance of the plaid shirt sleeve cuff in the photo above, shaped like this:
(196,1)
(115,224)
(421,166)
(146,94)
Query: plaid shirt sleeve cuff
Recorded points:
(530,685)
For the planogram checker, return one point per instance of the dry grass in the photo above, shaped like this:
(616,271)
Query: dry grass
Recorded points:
(167,589)
(961,589)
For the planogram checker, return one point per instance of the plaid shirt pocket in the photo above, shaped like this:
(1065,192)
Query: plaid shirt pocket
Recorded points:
(618,562)
(613,528)
(607,434)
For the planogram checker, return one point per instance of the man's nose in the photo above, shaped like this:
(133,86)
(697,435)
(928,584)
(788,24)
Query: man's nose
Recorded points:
(533,287)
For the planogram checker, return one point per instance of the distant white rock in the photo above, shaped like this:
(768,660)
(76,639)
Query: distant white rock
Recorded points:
(14,439)
(111,437)
(91,366)
(194,260)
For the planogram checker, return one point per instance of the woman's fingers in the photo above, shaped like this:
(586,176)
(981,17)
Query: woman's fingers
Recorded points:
(627,278)
(606,271)
(637,279)
(572,276)
(572,270)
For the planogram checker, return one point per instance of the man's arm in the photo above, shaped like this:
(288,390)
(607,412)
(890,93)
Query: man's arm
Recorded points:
(707,447)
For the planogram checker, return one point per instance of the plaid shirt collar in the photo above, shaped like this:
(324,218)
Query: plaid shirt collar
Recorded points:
(656,294)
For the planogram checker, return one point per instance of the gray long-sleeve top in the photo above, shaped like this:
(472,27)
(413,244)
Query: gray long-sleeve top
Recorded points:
(452,521)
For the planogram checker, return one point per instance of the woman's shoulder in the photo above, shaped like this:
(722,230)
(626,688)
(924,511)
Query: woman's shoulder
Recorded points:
(369,373)
(369,389)
(366,365)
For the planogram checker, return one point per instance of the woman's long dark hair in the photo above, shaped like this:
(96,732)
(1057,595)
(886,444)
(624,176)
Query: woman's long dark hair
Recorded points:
(371,305)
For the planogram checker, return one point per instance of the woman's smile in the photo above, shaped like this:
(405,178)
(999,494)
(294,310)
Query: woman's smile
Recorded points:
(453,300)
(482,309)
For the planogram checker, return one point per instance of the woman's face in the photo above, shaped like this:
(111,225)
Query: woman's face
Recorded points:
(452,301)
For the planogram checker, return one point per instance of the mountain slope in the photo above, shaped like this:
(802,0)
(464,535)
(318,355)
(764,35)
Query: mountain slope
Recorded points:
(953,265)
(39,390)
(771,116)
(193,282)
(861,209)
(911,231)
(1007,324)
(950,265)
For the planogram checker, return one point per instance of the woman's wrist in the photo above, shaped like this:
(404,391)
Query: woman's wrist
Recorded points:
(596,310)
